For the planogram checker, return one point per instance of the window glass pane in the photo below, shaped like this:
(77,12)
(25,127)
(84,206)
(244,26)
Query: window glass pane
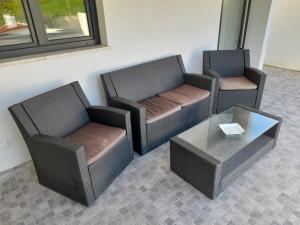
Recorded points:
(13,23)
(64,18)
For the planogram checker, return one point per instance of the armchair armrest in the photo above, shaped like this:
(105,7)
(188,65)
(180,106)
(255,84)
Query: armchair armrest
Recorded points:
(259,78)
(61,165)
(109,115)
(138,121)
(217,76)
(199,80)
(112,117)
(256,76)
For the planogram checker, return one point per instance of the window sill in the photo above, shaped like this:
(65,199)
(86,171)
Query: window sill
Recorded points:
(51,55)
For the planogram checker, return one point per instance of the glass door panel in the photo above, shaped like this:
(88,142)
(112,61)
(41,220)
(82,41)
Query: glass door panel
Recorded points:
(232,24)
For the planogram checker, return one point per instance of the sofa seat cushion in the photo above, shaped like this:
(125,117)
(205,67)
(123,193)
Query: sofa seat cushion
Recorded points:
(158,108)
(97,139)
(185,95)
(236,83)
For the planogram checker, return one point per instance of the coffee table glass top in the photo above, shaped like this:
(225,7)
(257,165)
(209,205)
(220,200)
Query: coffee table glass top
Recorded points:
(208,138)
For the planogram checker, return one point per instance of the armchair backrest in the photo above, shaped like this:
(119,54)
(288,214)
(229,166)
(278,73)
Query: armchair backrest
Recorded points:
(56,113)
(228,63)
(145,80)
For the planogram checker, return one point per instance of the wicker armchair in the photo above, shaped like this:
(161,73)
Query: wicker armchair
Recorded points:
(236,82)
(63,134)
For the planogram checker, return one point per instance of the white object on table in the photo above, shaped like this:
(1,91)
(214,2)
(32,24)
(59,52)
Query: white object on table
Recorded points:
(231,128)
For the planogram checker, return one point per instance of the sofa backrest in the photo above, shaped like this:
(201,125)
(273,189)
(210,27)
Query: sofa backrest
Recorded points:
(56,113)
(145,80)
(228,63)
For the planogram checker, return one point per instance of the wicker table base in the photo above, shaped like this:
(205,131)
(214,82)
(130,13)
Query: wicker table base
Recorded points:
(210,174)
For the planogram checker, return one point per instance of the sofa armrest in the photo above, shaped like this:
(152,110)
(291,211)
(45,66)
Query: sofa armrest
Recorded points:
(113,117)
(126,104)
(199,80)
(61,165)
(259,78)
(138,122)
(212,73)
(204,82)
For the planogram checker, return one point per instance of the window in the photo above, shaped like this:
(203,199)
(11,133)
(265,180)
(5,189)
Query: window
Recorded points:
(36,26)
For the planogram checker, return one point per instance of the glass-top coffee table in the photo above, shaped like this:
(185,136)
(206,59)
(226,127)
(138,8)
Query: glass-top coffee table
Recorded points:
(210,160)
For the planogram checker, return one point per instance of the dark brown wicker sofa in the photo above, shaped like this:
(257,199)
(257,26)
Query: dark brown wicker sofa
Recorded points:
(162,98)
(236,82)
(77,149)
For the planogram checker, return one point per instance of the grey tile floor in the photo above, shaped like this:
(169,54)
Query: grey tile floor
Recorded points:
(147,192)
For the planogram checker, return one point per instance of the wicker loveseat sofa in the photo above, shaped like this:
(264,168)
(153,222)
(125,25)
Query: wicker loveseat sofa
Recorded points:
(77,149)
(162,98)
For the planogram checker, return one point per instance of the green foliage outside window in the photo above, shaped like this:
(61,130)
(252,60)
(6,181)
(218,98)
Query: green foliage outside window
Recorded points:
(50,8)
(11,7)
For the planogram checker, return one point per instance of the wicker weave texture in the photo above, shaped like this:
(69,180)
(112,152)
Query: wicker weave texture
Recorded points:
(60,164)
(227,99)
(160,131)
(110,165)
(167,73)
(211,176)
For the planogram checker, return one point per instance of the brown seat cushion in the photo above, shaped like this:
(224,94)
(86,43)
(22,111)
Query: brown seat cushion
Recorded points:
(97,139)
(185,95)
(158,108)
(236,83)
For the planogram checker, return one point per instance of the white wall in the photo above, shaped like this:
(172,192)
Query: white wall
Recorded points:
(258,27)
(284,45)
(137,31)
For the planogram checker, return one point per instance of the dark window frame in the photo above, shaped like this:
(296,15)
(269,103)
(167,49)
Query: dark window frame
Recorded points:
(40,42)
